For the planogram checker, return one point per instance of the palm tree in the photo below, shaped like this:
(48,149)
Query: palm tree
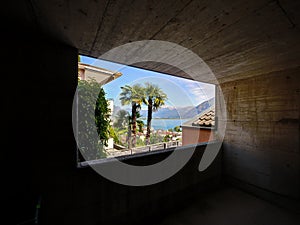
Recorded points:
(155,98)
(135,96)
(139,122)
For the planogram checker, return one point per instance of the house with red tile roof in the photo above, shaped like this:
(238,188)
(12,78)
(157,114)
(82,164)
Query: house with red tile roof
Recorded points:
(199,129)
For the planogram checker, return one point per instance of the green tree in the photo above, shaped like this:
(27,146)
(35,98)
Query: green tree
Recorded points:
(114,133)
(155,138)
(155,98)
(121,119)
(133,96)
(140,124)
(94,107)
(121,125)
(167,138)
(177,128)
(102,113)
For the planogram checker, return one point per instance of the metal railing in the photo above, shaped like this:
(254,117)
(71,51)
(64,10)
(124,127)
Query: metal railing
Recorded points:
(161,145)
(146,148)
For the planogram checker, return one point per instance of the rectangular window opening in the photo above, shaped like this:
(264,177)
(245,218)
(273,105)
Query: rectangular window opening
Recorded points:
(138,111)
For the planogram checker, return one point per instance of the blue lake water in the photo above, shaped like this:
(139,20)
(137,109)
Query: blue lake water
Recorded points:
(165,124)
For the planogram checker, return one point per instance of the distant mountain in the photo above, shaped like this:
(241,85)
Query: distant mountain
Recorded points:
(169,112)
(199,108)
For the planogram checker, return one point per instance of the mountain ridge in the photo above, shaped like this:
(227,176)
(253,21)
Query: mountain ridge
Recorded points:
(174,113)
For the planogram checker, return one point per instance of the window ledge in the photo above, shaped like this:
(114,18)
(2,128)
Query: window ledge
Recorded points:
(139,155)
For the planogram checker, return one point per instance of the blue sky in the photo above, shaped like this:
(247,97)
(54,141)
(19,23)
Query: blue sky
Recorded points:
(181,92)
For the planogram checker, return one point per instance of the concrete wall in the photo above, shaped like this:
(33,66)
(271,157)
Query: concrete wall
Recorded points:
(38,148)
(95,200)
(40,153)
(37,90)
(261,146)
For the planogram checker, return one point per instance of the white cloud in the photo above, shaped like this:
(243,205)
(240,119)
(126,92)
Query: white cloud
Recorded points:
(197,90)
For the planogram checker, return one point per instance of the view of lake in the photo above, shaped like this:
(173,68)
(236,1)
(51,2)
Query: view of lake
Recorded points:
(165,124)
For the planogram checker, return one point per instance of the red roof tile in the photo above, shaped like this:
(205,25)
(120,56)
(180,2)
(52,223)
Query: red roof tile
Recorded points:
(207,119)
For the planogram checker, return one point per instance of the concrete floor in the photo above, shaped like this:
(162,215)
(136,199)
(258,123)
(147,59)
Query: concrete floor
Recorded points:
(233,207)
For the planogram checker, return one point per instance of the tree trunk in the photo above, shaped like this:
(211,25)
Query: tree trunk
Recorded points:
(133,114)
(149,118)
(129,141)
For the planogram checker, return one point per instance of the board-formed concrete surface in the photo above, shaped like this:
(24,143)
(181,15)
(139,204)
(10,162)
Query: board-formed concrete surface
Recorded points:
(236,38)
(252,46)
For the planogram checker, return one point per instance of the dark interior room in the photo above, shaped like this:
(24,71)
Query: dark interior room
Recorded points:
(252,48)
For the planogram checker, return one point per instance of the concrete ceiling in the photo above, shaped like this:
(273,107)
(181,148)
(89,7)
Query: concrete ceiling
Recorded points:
(236,38)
